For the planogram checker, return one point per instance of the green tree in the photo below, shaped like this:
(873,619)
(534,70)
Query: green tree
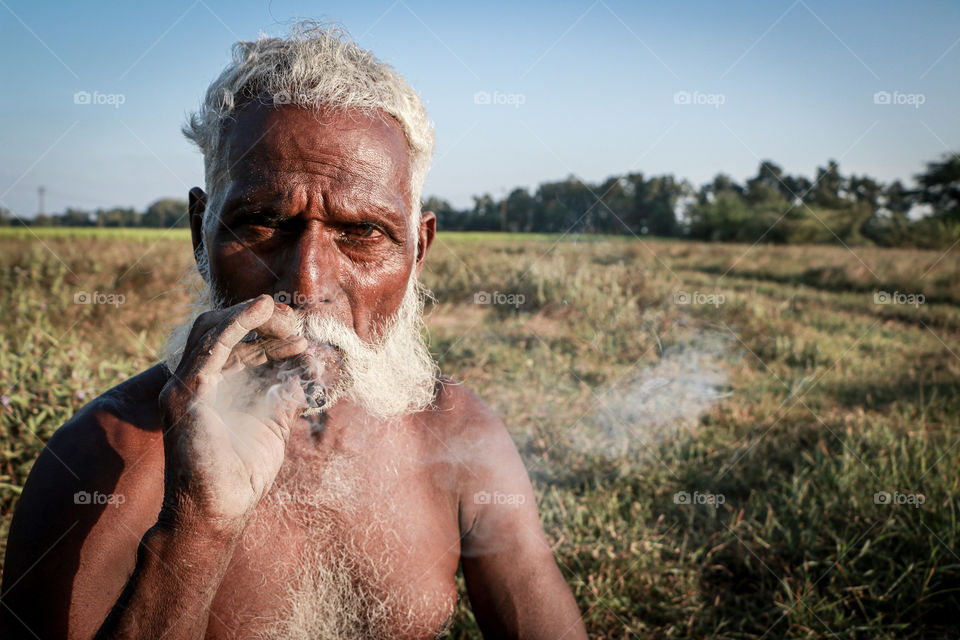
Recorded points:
(166,213)
(568,205)
(940,187)
(448,218)
(117,217)
(617,194)
(656,203)
(723,217)
(485,215)
(865,189)
(898,198)
(767,184)
(828,185)
(76,218)
(519,209)
(721,183)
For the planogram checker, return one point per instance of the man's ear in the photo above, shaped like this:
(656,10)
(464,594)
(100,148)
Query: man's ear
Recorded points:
(427,231)
(196,205)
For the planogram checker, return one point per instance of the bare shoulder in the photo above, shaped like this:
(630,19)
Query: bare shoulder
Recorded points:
(466,424)
(461,411)
(106,439)
(125,417)
(471,432)
(93,491)
(118,433)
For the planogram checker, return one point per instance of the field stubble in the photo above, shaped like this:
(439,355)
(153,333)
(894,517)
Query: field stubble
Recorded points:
(710,428)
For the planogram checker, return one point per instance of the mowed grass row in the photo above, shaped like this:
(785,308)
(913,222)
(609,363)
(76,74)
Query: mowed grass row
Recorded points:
(832,402)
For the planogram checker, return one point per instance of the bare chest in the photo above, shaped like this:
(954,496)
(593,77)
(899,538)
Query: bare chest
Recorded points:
(344,547)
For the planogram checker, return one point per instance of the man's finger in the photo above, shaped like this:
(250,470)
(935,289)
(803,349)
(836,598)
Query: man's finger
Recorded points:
(247,355)
(213,351)
(285,403)
(281,324)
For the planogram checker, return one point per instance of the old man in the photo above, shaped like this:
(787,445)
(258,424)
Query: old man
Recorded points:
(296,467)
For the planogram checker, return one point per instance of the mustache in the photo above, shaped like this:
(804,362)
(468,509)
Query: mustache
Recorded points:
(388,374)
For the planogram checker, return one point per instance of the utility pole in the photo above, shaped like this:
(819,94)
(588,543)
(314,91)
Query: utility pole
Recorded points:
(41,191)
(503,211)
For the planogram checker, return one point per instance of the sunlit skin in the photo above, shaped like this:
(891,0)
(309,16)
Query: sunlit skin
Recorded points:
(322,212)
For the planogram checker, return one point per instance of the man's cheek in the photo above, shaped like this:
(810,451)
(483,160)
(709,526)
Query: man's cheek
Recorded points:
(240,275)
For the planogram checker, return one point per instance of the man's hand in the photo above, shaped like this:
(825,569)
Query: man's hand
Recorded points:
(226,417)
(222,451)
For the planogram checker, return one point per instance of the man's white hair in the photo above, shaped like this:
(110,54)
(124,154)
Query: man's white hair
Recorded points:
(317,66)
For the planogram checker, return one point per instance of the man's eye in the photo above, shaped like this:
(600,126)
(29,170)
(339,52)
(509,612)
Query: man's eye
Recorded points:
(249,220)
(261,223)
(270,222)
(362,230)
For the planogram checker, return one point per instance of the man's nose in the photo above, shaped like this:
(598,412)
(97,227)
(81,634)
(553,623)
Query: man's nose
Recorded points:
(309,270)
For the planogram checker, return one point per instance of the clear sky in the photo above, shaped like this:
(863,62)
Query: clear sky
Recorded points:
(590,88)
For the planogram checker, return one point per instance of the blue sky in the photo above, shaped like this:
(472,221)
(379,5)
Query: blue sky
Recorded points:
(590,88)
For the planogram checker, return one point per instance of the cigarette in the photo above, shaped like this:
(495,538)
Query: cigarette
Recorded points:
(314,393)
(312,367)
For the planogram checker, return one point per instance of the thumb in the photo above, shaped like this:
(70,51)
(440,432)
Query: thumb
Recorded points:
(286,402)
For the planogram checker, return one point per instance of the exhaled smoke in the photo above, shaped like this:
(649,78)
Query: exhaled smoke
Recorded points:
(390,376)
(663,400)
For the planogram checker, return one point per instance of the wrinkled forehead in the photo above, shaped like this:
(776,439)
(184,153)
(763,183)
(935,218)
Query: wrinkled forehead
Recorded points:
(347,157)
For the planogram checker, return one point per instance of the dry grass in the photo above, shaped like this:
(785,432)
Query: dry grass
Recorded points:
(796,398)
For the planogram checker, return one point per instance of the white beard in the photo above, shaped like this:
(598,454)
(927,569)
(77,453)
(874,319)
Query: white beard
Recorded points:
(389,377)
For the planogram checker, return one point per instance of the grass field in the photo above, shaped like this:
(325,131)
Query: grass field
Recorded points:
(726,441)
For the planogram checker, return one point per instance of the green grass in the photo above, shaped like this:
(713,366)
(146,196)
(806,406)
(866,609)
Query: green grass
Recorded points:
(111,233)
(828,400)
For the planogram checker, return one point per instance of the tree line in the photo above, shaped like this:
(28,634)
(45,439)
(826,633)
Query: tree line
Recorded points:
(773,206)
(165,213)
